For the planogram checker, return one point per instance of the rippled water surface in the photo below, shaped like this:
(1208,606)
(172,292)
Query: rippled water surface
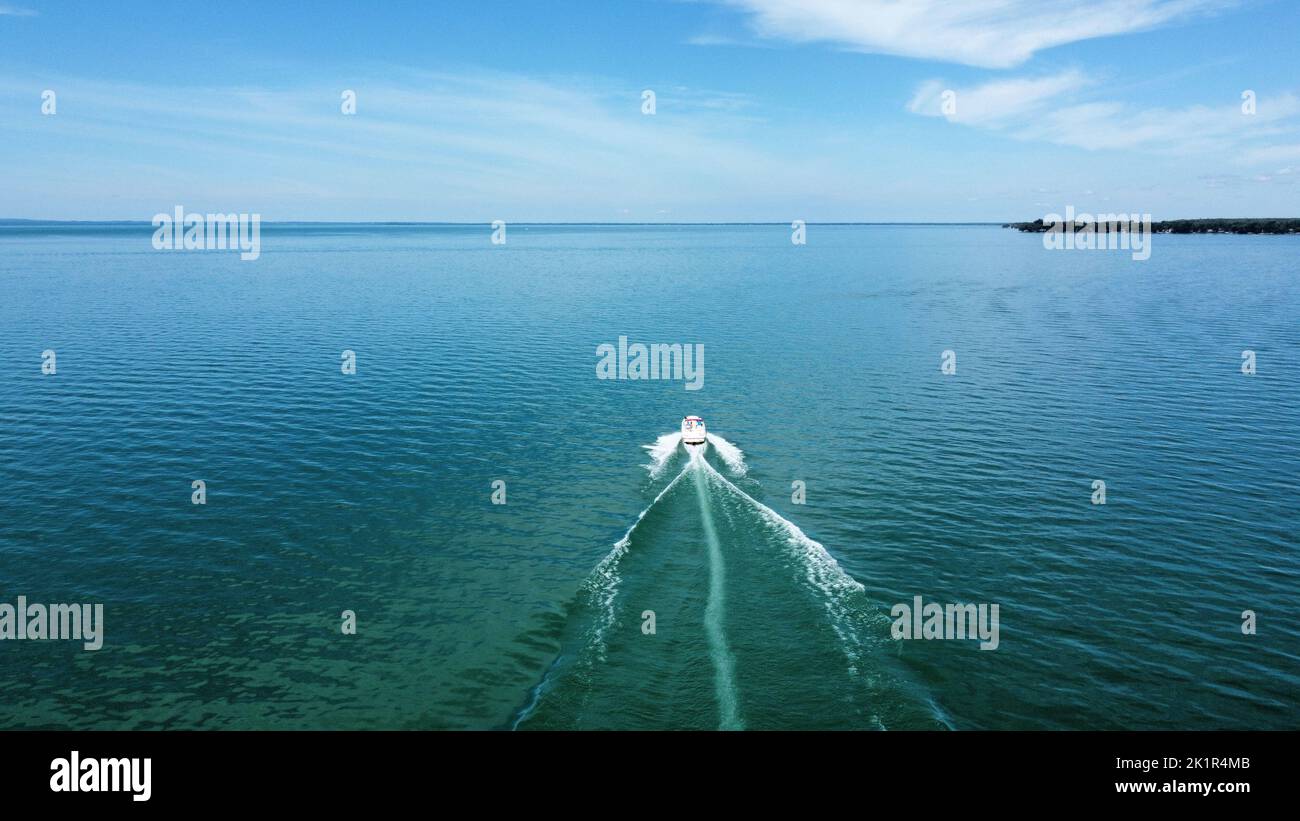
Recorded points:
(372,492)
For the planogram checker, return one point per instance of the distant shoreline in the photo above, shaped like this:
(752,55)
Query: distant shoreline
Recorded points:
(1196,226)
(1189,226)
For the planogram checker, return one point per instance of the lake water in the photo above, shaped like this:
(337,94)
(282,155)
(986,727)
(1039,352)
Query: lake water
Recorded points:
(372,492)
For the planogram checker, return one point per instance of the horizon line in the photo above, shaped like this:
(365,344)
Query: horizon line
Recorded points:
(479,223)
(13,220)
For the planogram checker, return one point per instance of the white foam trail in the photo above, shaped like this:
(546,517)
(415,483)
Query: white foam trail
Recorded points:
(820,568)
(714,612)
(732,455)
(661,451)
(603,583)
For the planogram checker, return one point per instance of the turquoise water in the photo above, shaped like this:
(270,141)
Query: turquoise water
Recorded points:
(372,492)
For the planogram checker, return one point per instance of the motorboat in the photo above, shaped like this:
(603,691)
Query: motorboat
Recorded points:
(693,430)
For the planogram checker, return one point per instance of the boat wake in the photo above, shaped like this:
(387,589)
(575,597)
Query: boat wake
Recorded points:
(729,453)
(603,583)
(661,453)
(610,675)
(715,612)
(838,589)
(666,447)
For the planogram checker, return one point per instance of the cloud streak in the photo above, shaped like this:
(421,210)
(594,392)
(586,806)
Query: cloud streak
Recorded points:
(996,102)
(986,33)
(469,146)
(1052,109)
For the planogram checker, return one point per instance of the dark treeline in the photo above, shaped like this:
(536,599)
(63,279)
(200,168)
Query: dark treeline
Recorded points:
(1201,226)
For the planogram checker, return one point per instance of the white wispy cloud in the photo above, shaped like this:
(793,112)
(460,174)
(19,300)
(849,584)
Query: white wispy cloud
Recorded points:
(1053,108)
(995,102)
(1275,153)
(987,33)
(1197,129)
(712,40)
(473,145)
(14,11)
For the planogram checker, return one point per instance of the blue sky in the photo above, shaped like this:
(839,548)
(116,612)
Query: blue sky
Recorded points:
(767,110)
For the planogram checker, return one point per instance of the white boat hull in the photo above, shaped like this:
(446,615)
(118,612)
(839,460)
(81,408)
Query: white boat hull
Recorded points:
(693,432)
